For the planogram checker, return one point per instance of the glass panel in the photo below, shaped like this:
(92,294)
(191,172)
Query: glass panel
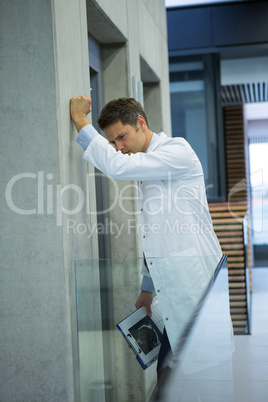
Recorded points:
(120,377)
(89,319)
(201,369)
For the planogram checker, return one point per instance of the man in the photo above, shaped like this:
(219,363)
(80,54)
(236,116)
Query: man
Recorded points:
(172,203)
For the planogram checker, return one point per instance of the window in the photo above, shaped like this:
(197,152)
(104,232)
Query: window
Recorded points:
(194,113)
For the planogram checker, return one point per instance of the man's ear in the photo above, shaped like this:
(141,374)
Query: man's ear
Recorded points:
(141,123)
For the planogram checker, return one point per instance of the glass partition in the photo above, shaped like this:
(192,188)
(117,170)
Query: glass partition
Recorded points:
(201,368)
(108,368)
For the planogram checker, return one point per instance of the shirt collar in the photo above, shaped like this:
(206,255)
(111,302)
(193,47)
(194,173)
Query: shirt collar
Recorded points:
(153,139)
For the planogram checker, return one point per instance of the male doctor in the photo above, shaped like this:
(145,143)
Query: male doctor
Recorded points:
(171,195)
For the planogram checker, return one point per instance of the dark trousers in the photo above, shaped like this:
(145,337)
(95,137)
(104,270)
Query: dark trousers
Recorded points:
(164,349)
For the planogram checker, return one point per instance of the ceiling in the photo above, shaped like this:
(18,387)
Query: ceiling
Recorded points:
(244,93)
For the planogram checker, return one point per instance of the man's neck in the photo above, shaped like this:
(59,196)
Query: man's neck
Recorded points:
(148,136)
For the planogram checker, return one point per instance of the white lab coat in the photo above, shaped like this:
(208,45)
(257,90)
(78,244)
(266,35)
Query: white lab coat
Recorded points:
(178,241)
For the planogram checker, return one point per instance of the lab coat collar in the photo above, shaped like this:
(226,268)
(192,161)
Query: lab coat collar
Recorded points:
(159,139)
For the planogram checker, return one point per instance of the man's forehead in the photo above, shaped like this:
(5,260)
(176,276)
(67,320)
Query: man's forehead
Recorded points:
(114,130)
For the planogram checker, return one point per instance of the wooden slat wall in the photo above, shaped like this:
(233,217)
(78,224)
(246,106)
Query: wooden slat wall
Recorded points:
(228,217)
(235,154)
(237,171)
(227,221)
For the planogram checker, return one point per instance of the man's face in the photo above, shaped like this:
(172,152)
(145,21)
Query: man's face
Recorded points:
(126,138)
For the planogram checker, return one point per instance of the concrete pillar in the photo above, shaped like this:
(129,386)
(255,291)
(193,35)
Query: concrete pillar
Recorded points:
(43,63)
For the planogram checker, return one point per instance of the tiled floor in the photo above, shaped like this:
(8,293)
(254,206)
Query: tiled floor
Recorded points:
(250,359)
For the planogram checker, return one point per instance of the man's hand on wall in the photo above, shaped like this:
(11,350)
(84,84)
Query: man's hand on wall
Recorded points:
(80,106)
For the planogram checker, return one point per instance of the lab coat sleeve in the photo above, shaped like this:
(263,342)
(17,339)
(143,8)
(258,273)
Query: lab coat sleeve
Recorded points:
(174,160)
(85,136)
(147,284)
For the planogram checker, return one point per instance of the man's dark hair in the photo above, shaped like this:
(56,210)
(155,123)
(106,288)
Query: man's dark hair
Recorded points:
(125,110)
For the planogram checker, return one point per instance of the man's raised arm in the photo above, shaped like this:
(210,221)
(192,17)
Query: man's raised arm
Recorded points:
(80,106)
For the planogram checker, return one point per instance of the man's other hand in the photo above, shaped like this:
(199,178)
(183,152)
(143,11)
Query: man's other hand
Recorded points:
(80,106)
(145,299)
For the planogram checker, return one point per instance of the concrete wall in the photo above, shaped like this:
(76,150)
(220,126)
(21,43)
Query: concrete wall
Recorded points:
(43,63)
(46,192)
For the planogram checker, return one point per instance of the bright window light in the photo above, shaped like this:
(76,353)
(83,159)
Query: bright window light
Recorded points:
(259,191)
(256,110)
(183,3)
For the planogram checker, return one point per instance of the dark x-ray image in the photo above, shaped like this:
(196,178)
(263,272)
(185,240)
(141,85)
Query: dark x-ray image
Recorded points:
(146,334)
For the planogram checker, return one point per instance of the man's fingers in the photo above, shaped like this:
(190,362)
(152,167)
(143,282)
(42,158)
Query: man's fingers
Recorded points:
(137,305)
(81,98)
(88,97)
(148,308)
(80,105)
(149,311)
(145,299)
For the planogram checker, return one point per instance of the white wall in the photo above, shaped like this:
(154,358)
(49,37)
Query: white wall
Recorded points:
(244,70)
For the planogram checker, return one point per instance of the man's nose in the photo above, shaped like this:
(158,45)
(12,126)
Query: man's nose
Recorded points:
(118,145)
